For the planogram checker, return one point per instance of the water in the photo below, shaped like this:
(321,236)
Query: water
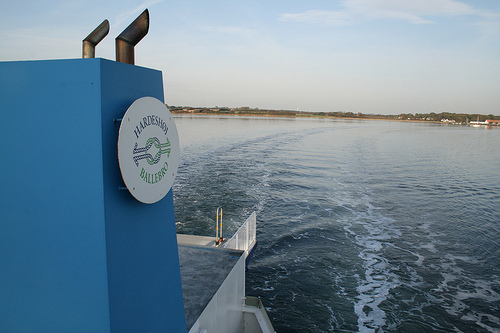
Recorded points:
(363,226)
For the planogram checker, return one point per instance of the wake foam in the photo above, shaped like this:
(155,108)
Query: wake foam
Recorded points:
(373,232)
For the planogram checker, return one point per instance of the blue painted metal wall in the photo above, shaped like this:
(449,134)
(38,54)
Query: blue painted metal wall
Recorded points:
(76,253)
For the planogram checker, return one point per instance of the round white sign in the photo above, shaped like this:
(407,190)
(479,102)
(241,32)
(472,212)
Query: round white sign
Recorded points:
(148,149)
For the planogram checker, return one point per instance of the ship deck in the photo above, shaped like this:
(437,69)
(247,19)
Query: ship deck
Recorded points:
(203,270)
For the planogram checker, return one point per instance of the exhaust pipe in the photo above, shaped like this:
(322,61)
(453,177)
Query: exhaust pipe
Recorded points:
(90,42)
(129,38)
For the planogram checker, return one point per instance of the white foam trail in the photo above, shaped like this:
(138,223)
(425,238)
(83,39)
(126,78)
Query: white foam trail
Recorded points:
(457,289)
(377,232)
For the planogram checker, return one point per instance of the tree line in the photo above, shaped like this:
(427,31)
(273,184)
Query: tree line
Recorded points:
(432,116)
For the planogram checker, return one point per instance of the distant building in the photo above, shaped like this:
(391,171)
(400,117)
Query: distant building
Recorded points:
(477,122)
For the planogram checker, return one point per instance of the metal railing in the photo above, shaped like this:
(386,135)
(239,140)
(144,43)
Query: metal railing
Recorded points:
(246,235)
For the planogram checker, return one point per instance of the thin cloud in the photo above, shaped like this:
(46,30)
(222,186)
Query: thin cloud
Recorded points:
(490,30)
(412,11)
(230,30)
(128,15)
(322,17)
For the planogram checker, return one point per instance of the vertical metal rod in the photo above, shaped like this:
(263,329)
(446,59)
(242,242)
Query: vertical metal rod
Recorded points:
(221,238)
(218,227)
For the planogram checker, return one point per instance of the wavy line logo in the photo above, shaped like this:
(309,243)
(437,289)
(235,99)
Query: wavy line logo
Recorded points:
(148,149)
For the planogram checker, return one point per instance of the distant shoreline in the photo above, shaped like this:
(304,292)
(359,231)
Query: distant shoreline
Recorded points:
(205,114)
(440,118)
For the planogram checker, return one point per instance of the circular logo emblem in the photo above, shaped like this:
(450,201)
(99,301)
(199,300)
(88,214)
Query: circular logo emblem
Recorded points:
(148,149)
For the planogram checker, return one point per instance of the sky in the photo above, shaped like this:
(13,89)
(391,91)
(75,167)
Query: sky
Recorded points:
(368,56)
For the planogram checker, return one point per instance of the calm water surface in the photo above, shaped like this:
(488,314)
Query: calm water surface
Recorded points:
(363,226)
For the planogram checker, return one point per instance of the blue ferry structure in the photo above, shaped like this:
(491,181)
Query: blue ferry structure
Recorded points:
(79,250)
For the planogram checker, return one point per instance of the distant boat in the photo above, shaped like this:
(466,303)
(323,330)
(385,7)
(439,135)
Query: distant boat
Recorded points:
(475,124)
